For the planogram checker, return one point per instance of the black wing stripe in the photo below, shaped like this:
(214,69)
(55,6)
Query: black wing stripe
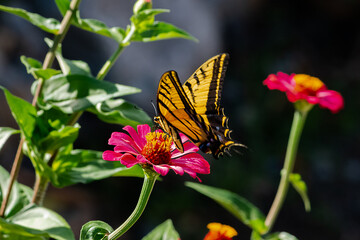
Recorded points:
(182,95)
(196,78)
(180,120)
(162,94)
(188,85)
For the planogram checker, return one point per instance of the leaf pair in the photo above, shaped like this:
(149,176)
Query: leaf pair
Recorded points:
(25,220)
(96,230)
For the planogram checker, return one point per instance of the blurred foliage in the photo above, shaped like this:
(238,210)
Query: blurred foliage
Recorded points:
(320,38)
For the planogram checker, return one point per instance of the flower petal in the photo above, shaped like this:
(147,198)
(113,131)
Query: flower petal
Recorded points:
(125,148)
(192,164)
(111,156)
(189,147)
(281,81)
(128,160)
(140,142)
(178,170)
(143,130)
(331,100)
(163,170)
(122,139)
(142,159)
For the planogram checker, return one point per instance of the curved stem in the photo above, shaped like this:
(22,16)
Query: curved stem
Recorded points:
(106,68)
(109,63)
(293,143)
(41,185)
(13,175)
(149,182)
(48,61)
(50,56)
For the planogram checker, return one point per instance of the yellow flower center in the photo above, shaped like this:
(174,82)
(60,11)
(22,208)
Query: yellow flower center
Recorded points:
(220,231)
(306,83)
(157,148)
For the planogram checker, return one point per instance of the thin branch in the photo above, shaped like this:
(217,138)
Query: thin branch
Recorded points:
(49,59)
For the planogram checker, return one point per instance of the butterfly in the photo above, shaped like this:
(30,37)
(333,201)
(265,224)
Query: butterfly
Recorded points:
(194,108)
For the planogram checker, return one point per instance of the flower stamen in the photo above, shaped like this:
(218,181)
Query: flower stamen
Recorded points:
(306,83)
(157,148)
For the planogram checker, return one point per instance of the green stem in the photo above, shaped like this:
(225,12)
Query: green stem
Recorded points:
(109,63)
(48,61)
(107,66)
(40,187)
(50,56)
(149,182)
(293,143)
(13,175)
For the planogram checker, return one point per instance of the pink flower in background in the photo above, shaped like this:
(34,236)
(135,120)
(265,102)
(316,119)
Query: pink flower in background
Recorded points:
(157,150)
(305,87)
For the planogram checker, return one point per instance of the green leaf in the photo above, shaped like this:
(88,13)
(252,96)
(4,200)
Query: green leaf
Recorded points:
(95,230)
(5,133)
(59,138)
(96,26)
(34,67)
(281,236)
(20,194)
(147,29)
(23,112)
(63,6)
(73,93)
(49,25)
(119,111)
(146,17)
(84,166)
(241,208)
(135,171)
(273,236)
(45,220)
(300,187)
(92,25)
(164,231)
(74,66)
(69,66)
(11,231)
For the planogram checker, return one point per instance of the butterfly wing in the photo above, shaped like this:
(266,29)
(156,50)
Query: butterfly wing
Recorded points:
(176,112)
(204,89)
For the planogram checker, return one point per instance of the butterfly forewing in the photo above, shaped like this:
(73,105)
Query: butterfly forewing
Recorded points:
(176,111)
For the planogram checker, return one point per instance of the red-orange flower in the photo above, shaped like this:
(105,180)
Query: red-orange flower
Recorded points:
(305,87)
(218,231)
(156,150)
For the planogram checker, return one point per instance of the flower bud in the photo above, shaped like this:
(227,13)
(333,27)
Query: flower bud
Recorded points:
(141,5)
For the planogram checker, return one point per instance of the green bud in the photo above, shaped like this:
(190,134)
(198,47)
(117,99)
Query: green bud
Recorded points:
(141,5)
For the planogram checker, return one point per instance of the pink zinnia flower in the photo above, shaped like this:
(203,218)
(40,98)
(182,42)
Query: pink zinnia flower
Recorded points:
(305,87)
(155,149)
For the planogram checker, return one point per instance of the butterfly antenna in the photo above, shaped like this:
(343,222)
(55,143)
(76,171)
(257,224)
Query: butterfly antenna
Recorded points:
(152,103)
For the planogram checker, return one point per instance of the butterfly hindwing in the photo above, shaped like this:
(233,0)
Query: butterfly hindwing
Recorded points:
(205,85)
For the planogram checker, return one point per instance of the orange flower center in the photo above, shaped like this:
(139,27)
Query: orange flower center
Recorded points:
(308,84)
(157,148)
(220,231)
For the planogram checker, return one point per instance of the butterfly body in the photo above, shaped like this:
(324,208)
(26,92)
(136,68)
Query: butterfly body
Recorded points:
(194,107)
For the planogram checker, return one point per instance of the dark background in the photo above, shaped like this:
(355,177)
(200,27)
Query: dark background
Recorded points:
(320,38)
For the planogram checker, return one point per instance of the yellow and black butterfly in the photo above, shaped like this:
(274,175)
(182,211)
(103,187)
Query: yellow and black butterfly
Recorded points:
(194,108)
